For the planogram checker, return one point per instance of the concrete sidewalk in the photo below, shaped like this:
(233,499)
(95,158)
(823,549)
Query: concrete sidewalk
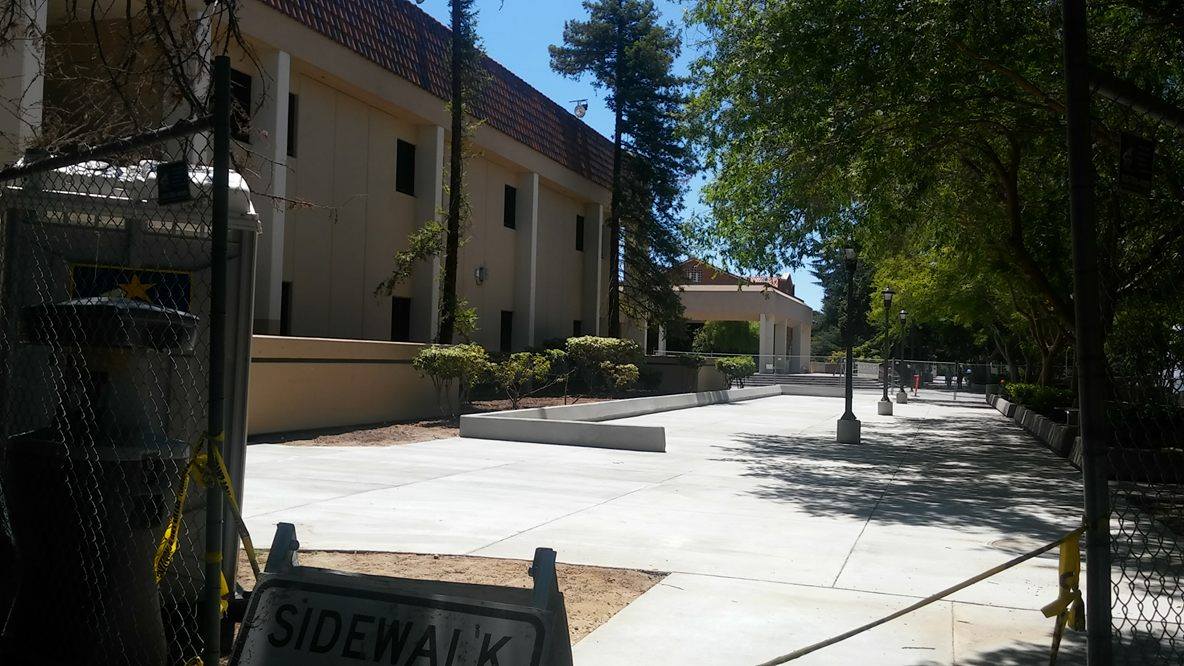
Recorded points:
(777,536)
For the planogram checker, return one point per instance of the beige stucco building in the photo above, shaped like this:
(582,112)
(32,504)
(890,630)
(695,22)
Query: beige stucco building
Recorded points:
(344,143)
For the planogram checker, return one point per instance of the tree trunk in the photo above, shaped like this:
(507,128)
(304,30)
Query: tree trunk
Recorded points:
(614,268)
(455,182)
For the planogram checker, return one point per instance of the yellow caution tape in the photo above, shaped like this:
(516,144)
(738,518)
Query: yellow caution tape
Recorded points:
(1069,607)
(197,470)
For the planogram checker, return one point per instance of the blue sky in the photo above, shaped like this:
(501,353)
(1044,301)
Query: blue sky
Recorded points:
(517,33)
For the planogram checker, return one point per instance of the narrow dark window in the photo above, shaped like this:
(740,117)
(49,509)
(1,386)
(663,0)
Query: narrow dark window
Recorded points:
(577,328)
(506,343)
(400,319)
(510,211)
(580,233)
(293,114)
(285,308)
(405,167)
(240,107)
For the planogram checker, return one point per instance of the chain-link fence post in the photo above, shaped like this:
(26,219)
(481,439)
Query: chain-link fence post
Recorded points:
(215,500)
(1091,371)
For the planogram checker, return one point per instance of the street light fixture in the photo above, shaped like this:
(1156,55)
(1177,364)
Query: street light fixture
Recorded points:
(884,408)
(902,396)
(849,426)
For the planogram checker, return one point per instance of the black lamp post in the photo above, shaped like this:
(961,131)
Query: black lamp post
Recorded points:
(849,426)
(884,408)
(901,395)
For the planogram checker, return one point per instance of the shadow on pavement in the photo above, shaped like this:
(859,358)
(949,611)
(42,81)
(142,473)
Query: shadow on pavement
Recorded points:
(960,473)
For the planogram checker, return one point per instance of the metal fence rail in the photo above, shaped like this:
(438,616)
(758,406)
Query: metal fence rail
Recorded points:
(108,308)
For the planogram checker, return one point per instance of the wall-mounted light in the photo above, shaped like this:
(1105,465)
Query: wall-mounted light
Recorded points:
(479,274)
(581,107)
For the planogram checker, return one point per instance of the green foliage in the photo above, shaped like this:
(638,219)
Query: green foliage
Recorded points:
(462,366)
(591,351)
(932,132)
(1041,399)
(736,369)
(630,54)
(727,337)
(605,362)
(649,377)
(691,360)
(422,244)
(520,372)
(620,376)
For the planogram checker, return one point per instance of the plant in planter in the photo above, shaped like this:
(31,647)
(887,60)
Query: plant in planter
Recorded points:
(736,369)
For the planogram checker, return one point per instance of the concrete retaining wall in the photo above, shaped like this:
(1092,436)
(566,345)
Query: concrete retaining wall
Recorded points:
(579,425)
(1057,437)
(308,383)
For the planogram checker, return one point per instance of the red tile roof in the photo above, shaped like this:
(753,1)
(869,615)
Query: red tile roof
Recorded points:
(400,37)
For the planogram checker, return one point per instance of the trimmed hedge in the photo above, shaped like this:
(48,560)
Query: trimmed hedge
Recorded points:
(1041,399)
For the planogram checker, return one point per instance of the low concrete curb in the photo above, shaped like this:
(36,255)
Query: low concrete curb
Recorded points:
(578,425)
(1057,437)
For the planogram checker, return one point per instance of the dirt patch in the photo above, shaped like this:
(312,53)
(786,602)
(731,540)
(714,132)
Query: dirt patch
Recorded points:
(403,432)
(592,594)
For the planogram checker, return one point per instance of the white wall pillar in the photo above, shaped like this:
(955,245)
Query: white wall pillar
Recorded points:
(779,351)
(273,118)
(593,291)
(22,80)
(801,345)
(766,343)
(526,266)
(429,202)
(661,341)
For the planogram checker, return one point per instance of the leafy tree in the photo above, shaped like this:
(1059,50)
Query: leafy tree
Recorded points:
(630,54)
(918,125)
(433,238)
(728,337)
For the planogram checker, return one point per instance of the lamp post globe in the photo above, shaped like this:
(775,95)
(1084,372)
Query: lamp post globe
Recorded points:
(848,431)
(902,397)
(884,407)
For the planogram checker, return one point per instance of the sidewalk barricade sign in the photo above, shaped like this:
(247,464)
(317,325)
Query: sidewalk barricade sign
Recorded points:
(304,615)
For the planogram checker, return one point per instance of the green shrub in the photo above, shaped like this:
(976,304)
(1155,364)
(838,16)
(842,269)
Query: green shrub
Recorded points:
(452,365)
(620,376)
(519,373)
(604,362)
(650,377)
(736,369)
(1039,398)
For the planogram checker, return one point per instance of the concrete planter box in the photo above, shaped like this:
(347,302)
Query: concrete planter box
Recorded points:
(1005,407)
(579,425)
(1018,415)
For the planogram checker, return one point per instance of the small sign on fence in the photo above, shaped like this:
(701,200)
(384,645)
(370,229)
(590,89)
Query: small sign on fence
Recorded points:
(172,183)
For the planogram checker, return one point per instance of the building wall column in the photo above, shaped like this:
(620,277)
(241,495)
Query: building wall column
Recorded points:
(801,345)
(766,343)
(779,351)
(22,80)
(429,202)
(273,144)
(526,265)
(593,278)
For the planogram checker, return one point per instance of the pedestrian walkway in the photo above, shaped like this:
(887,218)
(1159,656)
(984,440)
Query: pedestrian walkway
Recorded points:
(776,536)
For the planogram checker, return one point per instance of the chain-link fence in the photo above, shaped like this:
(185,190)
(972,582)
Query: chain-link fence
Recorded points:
(108,313)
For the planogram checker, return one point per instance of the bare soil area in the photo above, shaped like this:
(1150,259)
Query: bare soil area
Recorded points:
(404,432)
(592,594)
